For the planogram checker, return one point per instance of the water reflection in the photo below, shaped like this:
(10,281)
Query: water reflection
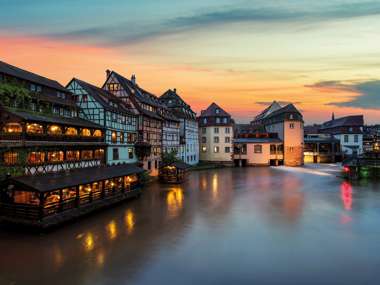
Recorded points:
(174,201)
(111,230)
(88,242)
(346,195)
(129,220)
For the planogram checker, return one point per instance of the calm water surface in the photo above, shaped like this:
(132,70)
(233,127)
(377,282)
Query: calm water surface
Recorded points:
(228,226)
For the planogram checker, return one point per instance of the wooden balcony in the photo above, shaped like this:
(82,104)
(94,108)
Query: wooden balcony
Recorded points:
(47,137)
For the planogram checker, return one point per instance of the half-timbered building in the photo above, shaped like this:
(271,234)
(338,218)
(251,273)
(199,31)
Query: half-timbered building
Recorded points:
(189,143)
(103,108)
(40,131)
(150,121)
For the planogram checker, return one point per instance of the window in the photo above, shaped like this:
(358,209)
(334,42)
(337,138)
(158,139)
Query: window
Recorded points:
(217,111)
(115,154)
(258,148)
(218,120)
(87,154)
(36,157)
(227,139)
(203,130)
(34,129)
(149,165)
(216,149)
(227,149)
(114,137)
(225,120)
(12,128)
(72,155)
(71,132)
(10,158)
(272,149)
(204,149)
(35,88)
(205,121)
(97,133)
(155,164)
(84,98)
(130,153)
(85,133)
(227,130)
(99,154)
(216,130)
(121,137)
(204,139)
(216,139)
(54,130)
(55,156)
(291,125)
(113,87)
(291,149)
(356,138)
(346,138)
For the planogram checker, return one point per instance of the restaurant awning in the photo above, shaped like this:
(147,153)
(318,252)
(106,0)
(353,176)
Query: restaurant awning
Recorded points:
(51,182)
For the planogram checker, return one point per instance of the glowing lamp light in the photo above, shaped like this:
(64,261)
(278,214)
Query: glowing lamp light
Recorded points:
(346,169)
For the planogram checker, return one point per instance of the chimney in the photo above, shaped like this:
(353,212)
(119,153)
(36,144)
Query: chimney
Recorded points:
(175,90)
(108,72)
(133,79)
(333,116)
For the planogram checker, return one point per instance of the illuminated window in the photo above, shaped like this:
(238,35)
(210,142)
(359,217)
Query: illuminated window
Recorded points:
(121,137)
(85,133)
(130,153)
(12,128)
(55,156)
(99,154)
(227,149)
(87,154)
(54,130)
(291,125)
(114,137)
(10,158)
(23,197)
(72,155)
(71,132)
(216,139)
(97,133)
(216,149)
(204,149)
(36,157)
(34,129)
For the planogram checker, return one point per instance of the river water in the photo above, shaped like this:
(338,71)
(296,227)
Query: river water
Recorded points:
(226,226)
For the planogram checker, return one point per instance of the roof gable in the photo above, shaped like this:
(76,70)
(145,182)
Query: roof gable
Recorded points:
(214,110)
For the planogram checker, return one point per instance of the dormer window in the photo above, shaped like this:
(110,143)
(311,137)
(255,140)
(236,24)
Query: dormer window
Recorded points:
(35,88)
(205,121)
(61,95)
(217,111)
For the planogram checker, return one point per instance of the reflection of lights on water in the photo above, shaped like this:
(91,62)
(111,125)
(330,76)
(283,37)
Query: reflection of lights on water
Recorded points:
(58,257)
(346,195)
(112,230)
(203,183)
(129,220)
(100,259)
(215,186)
(174,201)
(306,170)
(88,242)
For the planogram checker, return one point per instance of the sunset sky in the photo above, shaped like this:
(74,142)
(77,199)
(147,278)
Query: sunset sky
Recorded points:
(324,56)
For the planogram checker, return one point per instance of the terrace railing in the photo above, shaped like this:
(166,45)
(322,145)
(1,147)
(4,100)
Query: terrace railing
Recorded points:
(47,137)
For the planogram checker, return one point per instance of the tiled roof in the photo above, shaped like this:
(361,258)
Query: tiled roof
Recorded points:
(29,76)
(349,121)
(51,182)
(211,111)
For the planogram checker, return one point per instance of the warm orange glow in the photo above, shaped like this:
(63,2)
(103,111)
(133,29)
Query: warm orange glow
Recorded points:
(54,130)
(34,129)
(88,242)
(111,230)
(12,128)
(174,201)
(129,220)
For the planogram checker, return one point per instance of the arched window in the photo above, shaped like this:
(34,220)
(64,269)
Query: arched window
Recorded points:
(97,133)
(85,133)
(71,132)
(54,130)
(34,129)
(12,128)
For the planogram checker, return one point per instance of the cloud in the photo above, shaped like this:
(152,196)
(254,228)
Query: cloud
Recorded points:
(129,32)
(368,93)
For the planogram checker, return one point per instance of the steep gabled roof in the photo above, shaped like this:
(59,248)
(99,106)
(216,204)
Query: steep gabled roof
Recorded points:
(290,108)
(177,105)
(349,121)
(270,109)
(30,76)
(103,97)
(211,111)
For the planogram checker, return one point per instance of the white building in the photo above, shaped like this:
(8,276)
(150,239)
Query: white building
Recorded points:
(216,135)
(189,145)
(349,131)
(105,109)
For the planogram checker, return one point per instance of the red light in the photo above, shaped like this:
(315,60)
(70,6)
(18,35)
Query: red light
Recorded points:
(346,169)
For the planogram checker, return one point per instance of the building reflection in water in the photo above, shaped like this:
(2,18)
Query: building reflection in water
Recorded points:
(346,195)
(111,230)
(129,220)
(100,258)
(58,257)
(215,189)
(174,201)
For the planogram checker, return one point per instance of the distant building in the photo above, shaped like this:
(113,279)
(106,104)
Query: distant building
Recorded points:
(371,138)
(102,107)
(287,123)
(189,142)
(349,131)
(216,135)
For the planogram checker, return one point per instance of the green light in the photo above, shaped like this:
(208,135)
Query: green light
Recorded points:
(364,172)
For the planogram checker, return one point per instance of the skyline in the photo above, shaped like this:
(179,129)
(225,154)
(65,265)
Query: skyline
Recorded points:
(323,57)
